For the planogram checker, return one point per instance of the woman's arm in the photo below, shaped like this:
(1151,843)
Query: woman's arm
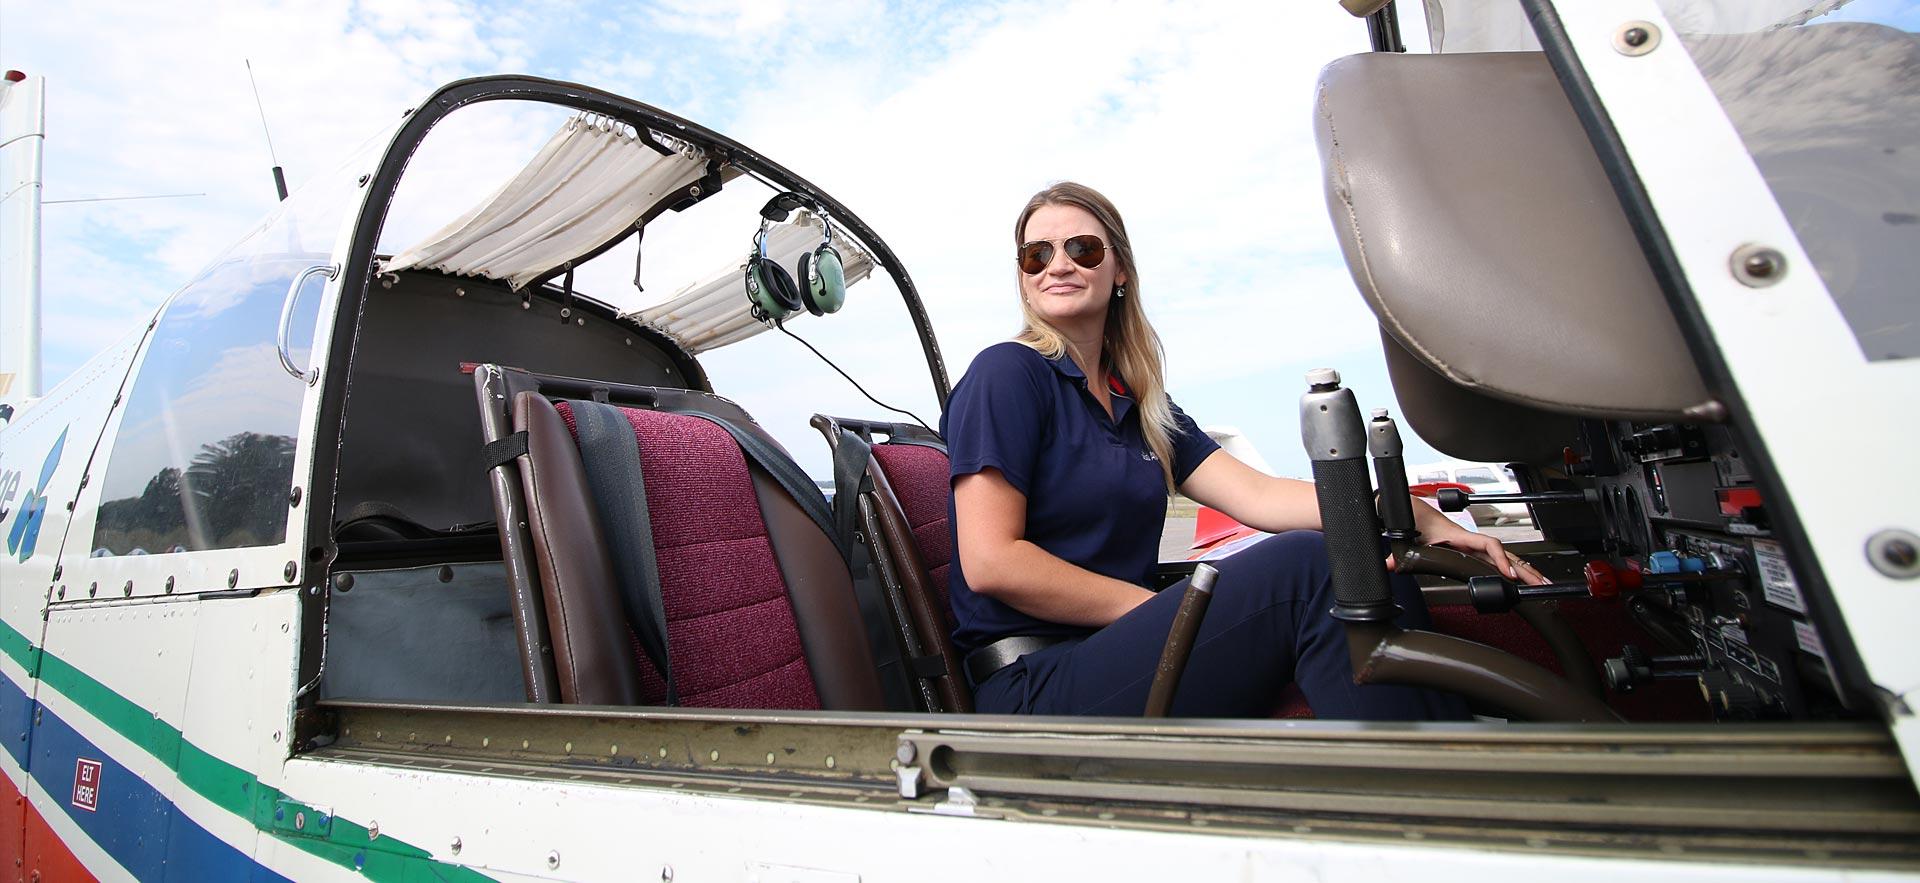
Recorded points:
(990,520)
(1262,501)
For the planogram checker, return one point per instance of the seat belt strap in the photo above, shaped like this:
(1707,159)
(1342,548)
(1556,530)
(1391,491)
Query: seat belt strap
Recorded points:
(612,460)
(782,469)
(504,449)
(850,457)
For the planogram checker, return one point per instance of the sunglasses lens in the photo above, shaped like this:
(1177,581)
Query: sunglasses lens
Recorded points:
(1087,251)
(1035,256)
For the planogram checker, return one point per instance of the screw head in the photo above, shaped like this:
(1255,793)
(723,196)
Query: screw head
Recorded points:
(455,845)
(1757,266)
(169,585)
(289,571)
(1636,38)
(93,590)
(293,497)
(233,577)
(1895,553)
(126,591)
(364,179)
(553,859)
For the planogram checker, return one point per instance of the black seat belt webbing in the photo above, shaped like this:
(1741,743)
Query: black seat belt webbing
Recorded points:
(611,456)
(850,456)
(504,449)
(783,470)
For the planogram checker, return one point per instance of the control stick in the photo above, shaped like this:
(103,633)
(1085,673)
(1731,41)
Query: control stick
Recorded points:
(1336,444)
(1382,653)
(1411,556)
(1186,624)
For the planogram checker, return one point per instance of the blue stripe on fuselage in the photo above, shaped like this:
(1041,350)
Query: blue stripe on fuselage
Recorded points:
(16,719)
(135,823)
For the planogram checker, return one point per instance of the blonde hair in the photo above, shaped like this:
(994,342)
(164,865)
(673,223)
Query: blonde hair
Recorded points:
(1130,346)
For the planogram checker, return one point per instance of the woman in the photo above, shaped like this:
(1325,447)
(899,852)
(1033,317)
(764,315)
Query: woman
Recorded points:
(1065,447)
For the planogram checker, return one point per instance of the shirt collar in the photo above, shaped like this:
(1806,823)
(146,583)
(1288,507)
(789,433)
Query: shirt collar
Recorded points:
(1122,394)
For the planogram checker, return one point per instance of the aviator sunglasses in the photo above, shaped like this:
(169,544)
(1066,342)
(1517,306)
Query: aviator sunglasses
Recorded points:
(1086,250)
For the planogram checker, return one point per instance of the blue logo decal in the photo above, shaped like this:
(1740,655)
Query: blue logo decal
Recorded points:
(26,530)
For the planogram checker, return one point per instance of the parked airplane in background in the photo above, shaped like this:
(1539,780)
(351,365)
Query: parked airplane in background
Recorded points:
(385,551)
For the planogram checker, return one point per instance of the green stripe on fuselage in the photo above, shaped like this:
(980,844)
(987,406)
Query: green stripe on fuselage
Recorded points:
(224,785)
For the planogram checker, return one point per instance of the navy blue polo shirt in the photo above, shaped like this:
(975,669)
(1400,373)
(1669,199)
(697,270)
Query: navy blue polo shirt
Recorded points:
(1095,495)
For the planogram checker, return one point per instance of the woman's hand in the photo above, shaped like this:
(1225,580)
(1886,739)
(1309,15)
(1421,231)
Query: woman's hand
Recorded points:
(1436,528)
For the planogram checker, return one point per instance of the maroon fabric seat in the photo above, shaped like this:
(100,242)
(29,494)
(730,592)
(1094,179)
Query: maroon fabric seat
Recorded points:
(911,544)
(730,630)
(759,603)
(912,485)
(919,476)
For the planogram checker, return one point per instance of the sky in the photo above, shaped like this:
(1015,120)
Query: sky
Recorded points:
(933,121)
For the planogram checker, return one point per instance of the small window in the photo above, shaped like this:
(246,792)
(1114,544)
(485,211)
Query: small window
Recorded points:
(1436,475)
(1477,475)
(204,454)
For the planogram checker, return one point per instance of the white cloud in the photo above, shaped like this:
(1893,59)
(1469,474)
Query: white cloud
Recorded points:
(933,123)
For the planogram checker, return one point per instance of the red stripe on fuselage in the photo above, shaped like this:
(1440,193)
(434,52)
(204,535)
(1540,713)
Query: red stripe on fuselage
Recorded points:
(47,857)
(12,829)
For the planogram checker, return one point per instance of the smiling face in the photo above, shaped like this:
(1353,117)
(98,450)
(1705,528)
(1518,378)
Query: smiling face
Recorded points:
(1070,297)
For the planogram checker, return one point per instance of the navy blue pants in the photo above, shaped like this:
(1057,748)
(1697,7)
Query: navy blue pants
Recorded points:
(1267,625)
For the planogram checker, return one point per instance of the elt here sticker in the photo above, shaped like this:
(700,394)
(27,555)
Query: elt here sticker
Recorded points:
(86,784)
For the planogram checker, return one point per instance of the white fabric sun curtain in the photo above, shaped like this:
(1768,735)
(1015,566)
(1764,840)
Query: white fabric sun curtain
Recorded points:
(593,179)
(713,312)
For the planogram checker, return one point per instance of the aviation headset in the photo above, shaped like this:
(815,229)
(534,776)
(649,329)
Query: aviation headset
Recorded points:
(774,293)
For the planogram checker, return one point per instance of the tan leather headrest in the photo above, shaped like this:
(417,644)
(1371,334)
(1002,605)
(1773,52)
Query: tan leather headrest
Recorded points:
(1484,235)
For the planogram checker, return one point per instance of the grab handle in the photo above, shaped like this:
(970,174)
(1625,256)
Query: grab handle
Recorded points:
(331,271)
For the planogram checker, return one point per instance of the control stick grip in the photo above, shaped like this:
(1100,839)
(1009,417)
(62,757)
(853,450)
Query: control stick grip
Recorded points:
(1360,589)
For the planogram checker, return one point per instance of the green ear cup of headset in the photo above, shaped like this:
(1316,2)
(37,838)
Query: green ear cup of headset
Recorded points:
(823,280)
(770,289)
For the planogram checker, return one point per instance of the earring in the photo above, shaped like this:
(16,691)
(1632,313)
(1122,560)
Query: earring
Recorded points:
(1119,291)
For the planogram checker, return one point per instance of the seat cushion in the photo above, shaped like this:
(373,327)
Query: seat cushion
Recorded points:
(731,632)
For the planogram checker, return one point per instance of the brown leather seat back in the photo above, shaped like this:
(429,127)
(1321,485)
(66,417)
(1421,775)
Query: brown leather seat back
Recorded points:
(759,604)
(912,544)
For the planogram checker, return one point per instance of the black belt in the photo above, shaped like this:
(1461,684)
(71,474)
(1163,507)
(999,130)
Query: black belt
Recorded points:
(982,663)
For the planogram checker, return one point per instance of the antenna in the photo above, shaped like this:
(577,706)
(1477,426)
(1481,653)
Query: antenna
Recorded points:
(279,177)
